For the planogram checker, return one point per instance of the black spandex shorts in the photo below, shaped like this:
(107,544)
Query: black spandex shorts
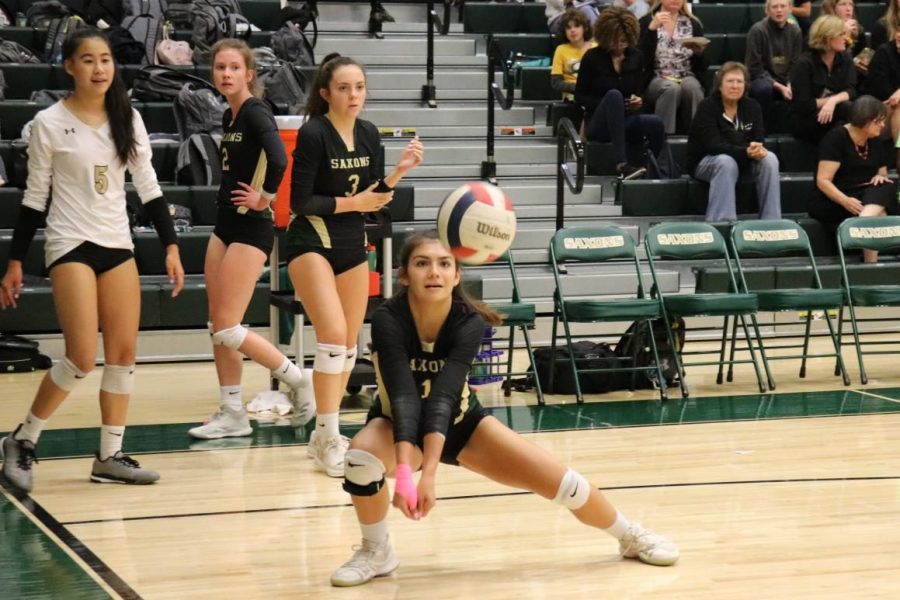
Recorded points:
(99,258)
(340,259)
(457,436)
(233,228)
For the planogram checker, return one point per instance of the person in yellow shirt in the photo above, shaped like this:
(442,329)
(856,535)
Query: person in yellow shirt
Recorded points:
(575,28)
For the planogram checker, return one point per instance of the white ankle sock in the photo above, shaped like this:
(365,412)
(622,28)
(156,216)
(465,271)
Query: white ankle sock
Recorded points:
(376,532)
(327,424)
(230,397)
(110,440)
(289,373)
(31,428)
(620,527)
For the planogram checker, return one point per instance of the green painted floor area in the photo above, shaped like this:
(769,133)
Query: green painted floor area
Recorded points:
(32,565)
(144,439)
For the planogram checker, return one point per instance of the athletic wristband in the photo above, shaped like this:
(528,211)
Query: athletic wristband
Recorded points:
(27,224)
(159,214)
(404,485)
(268,196)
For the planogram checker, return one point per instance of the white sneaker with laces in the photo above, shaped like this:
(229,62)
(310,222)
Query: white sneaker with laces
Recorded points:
(303,402)
(369,560)
(328,453)
(647,547)
(224,423)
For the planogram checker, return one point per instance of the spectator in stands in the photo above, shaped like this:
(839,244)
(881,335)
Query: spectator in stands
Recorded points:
(884,79)
(823,81)
(378,15)
(773,45)
(852,176)
(336,180)
(638,8)
(801,12)
(557,8)
(884,29)
(576,30)
(853,31)
(253,163)
(726,141)
(610,85)
(83,145)
(675,66)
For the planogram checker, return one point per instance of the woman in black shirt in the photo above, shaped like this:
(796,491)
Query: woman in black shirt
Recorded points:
(823,81)
(851,179)
(424,341)
(883,81)
(335,180)
(609,86)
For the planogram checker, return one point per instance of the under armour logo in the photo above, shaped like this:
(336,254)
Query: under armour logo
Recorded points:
(68,131)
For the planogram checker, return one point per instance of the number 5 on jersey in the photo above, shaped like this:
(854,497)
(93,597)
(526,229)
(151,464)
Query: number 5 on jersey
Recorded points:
(101,181)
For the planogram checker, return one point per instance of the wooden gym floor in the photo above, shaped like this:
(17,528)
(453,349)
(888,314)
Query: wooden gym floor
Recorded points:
(787,495)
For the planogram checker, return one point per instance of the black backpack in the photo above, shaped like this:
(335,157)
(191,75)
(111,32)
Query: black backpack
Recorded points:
(214,20)
(109,11)
(158,83)
(285,84)
(57,33)
(662,165)
(198,110)
(20,355)
(155,8)
(588,355)
(634,349)
(15,53)
(178,13)
(198,161)
(126,49)
(290,44)
(40,14)
(146,28)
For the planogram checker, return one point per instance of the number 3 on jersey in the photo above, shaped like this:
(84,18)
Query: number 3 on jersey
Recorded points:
(354,184)
(101,181)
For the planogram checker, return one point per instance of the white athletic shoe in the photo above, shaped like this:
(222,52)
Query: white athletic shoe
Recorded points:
(369,560)
(224,423)
(647,547)
(303,402)
(328,453)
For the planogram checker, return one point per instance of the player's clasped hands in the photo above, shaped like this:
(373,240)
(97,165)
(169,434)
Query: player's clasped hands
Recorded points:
(414,502)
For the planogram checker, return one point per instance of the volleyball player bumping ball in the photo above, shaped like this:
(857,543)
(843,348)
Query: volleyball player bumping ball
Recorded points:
(253,163)
(83,145)
(424,341)
(334,181)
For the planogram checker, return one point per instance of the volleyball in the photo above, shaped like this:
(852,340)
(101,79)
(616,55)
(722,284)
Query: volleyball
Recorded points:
(477,222)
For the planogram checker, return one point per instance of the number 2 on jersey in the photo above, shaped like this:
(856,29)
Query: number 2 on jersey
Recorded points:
(101,181)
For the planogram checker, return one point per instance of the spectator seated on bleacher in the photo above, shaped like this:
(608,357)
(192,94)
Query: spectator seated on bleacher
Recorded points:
(610,84)
(575,29)
(773,45)
(726,140)
(638,8)
(823,81)
(675,65)
(852,176)
(845,10)
(884,28)
(801,13)
(557,8)
(884,79)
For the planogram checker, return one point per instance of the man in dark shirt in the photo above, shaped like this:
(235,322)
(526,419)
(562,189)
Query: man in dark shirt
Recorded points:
(773,45)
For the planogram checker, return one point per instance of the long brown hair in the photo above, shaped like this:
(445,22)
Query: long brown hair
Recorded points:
(249,60)
(316,104)
(490,316)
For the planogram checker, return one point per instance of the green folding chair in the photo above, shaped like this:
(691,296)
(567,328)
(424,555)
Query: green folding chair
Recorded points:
(867,233)
(701,241)
(600,244)
(516,314)
(779,237)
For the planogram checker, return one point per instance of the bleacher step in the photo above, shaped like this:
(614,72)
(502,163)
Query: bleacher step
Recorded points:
(414,115)
(370,50)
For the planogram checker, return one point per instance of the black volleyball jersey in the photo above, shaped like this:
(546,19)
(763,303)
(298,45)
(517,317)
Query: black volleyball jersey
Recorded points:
(251,153)
(423,388)
(325,169)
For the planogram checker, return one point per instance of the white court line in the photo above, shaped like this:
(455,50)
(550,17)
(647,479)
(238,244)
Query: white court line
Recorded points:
(879,396)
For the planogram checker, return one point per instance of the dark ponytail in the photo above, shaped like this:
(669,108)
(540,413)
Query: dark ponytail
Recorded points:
(315,103)
(116,102)
(490,316)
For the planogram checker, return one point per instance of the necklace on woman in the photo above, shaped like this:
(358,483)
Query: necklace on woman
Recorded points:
(862,151)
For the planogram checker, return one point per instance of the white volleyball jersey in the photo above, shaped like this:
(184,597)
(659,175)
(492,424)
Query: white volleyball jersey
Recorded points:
(88,181)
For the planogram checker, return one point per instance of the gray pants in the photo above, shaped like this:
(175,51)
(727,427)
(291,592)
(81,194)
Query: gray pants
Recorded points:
(670,98)
(722,173)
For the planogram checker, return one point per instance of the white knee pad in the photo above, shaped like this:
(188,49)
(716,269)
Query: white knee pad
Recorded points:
(573,491)
(363,473)
(117,379)
(232,337)
(330,359)
(350,359)
(65,374)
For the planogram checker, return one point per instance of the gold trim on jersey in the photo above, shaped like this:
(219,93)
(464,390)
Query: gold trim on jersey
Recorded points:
(259,176)
(464,401)
(321,229)
(382,391)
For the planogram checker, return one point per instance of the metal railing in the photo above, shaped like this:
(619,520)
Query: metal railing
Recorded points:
(567,139)
(434,22)
(496,95)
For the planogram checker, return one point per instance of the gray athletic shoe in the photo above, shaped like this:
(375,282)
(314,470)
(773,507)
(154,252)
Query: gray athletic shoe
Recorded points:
(18,456)
(369,560)
(121,468)
(303,402)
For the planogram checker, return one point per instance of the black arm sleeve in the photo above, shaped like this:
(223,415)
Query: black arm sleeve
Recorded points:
(27,225)
(262,123)
(392,360)
(308,156)
(447,387)
(158,211)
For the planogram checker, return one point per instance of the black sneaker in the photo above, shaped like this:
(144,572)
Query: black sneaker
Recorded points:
(18,456)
